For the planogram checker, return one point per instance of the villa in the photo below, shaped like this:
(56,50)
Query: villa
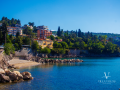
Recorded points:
(45,43)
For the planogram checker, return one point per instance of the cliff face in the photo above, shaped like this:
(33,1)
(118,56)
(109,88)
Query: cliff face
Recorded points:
(4,60)
(1,54)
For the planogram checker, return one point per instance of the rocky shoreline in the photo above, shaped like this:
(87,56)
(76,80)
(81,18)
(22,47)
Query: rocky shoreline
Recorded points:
(7,73)
(42,60)
(82,55)
(13,76)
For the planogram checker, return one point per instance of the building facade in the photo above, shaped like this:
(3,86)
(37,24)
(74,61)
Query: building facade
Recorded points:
(45,43)
(14,30)
(43,32)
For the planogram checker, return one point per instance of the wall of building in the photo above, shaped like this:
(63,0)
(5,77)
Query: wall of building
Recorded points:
(43,32)
(14,30)
(45,43)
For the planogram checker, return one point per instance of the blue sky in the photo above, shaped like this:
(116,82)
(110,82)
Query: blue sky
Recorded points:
(88,15)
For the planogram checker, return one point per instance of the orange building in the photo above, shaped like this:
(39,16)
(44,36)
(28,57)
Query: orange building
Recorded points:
(43,32)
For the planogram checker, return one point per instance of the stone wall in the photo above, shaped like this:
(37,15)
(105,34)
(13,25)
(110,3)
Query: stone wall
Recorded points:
(76,52)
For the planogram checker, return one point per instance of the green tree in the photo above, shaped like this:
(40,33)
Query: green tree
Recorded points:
(17,34)
(35,46)
(39,49)
(59,32)
(58,38)
(61,51)
(8,39)
(4,30)
(52,37)
(79,33)
(64,45)
(97,48)
(26,41)
(55,44)
(18,22)
(59,45)
(111,40)
(31,24)
(3,18)
(76,45)
(65,35)
(1,36)
(83,45)
(35,29)
(16,46)
(19,40)
(95,38)
(9,48)
(104,38)
(27,31)
(110,48)
(46,50)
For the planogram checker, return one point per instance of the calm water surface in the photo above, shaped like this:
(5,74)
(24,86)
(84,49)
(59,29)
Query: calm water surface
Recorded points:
(88,75)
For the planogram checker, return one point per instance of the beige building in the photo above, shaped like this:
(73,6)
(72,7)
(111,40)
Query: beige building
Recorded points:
(46,43)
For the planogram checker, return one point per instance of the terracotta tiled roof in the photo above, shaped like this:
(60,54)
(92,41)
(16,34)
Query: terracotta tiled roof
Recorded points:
(12,27)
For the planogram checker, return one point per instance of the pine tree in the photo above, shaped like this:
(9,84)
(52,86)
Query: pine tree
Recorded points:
(18,22)
(3,18)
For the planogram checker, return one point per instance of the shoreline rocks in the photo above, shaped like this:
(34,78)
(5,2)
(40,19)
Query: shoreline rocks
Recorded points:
(42,60)
(14,76)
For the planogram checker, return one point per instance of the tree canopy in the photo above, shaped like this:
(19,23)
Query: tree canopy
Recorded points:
(9,48)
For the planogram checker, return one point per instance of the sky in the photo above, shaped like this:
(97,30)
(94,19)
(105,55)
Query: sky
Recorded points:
(87,15)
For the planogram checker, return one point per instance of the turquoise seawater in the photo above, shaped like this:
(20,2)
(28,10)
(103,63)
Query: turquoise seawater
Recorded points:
(88,75)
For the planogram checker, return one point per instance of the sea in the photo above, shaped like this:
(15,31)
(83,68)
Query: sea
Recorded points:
(98,73)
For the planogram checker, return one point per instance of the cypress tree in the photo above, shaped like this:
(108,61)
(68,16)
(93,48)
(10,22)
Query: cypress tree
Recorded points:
(67,32)
(4,30)
(79,33)
(1,36)
(76,33)
(58,32)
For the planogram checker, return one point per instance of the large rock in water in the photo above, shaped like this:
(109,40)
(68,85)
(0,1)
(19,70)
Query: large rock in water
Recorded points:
(13,76)
(26,76)
(2,71)
(18,75)
(4,78)
(7,72)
